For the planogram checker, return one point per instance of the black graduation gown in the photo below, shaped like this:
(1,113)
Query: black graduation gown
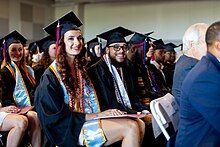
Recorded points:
(8,86)
(104,86)
(142,71)
(157,79)
(168,71)
(38,72)
(61,126)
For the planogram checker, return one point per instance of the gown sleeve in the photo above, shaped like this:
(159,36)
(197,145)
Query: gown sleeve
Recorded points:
(8,85)
(61,126)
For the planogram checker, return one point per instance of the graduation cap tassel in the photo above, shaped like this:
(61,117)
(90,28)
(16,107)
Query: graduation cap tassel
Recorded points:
(57,39)
(145,50)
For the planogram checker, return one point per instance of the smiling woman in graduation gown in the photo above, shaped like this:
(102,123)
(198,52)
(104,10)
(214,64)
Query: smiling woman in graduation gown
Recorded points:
(66,101)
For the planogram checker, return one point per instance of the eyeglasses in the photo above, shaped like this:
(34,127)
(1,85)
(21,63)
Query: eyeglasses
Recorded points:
(117,47)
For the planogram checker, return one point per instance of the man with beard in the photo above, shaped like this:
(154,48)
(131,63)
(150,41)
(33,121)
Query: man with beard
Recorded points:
(135,55)
(114,77)
(155,58)
(169,63)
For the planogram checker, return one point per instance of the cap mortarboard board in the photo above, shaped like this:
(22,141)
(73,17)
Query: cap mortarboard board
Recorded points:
(45,43)
(32,47)
(169,47)
(137,38)
(67,22)
(92,43)
(14,37)
(159,44)
(115,35)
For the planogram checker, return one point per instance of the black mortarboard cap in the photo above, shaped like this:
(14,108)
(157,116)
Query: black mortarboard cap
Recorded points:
(138,38)
(45,43)
(32,47)
(115,35)
(67,22)
(14,37)
(169,47)
(92,43)
(159,44)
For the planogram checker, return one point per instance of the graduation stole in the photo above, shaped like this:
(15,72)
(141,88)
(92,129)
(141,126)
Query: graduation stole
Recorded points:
(20,94)
(91,105)
(120,91)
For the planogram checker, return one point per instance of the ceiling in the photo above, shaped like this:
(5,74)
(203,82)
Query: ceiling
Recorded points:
(114,1)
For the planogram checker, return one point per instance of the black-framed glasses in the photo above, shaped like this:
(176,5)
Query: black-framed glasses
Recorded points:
(117,47)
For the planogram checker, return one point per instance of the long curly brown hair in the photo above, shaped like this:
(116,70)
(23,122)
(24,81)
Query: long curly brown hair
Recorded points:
(72,83)
(45,60)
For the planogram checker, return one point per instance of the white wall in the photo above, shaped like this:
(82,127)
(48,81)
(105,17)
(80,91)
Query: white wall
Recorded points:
(168,20)
(37,15)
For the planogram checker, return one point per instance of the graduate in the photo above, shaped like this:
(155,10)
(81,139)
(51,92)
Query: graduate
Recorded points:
(66,101)
(169,63)
(18,83)
(154,62)
(93,51)
(48,46)
(114,77)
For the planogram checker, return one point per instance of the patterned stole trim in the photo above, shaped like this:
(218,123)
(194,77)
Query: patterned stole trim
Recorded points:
(53,67)
(93,134)
(120,91)
(20,94)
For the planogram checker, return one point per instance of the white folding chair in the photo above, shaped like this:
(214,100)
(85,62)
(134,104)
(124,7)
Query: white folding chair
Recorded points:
(165,110)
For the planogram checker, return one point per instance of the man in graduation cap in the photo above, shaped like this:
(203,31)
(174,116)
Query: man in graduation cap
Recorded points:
(169,63)
(155,59)
(113,77)
(93,51)
(135,54)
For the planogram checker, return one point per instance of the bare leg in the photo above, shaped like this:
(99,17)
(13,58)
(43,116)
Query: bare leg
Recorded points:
(126,130)
(35,129)
(141,125)
(16,125)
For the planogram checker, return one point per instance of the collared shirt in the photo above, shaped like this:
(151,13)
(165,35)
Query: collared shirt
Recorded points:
(159,67)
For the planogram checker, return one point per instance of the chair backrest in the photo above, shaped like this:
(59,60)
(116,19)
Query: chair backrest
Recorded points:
(165,110)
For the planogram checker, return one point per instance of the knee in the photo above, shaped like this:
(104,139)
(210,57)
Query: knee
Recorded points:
(141,125)
(33,119)
(132,127)
(21,122)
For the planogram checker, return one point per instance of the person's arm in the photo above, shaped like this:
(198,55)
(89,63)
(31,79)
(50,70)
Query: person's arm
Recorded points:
(204,97)
(8,84)
(60,125)
(110,112)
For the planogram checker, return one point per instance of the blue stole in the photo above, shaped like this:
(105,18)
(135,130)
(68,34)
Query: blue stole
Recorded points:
(93,134)
(20,94)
